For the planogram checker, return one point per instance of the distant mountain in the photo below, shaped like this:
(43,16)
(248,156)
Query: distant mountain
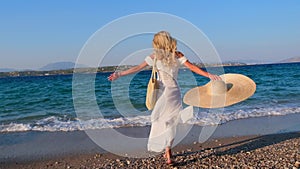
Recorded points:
(7,70)
(59,66)
(290,60)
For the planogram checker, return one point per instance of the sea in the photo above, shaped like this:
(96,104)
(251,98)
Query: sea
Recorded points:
(46,103)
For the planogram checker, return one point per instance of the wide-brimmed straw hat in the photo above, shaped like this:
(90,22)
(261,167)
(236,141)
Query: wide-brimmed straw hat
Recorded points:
(233,88)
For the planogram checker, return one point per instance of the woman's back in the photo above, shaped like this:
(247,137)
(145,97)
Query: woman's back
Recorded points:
(167,74)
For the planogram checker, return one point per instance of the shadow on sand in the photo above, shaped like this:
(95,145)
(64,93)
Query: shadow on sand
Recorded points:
(242,146)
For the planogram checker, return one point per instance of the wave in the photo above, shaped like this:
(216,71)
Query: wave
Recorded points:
(54,123)
(206,118)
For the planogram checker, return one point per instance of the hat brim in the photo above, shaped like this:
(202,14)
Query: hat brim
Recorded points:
(242,87)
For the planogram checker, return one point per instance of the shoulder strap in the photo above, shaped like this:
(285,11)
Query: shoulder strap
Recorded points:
(154,63)
(154,69)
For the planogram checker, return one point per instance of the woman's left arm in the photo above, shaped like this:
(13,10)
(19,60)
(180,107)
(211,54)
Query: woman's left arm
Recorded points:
(201,72)
(116,75)
(196,69)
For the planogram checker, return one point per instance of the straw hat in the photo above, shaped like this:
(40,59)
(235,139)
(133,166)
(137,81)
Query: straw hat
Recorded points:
(233,88)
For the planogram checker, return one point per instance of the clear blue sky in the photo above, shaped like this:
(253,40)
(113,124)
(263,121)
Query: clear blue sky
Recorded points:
(34,33)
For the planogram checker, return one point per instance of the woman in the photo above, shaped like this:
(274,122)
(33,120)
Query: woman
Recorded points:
(165,115)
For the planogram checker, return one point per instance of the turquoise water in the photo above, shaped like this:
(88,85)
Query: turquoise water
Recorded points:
(45,103)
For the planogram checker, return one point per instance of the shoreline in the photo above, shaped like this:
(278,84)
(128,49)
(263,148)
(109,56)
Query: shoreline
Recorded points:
(22,149)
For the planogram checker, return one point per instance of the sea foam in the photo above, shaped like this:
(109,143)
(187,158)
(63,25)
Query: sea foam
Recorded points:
(54,123)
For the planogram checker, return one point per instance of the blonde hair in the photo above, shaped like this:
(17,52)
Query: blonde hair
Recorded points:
(164,48)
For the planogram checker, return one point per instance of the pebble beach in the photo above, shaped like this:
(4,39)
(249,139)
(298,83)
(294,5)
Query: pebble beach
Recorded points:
(266,151)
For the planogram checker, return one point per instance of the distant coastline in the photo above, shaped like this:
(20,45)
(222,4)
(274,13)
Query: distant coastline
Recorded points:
(93,70)
(106,69)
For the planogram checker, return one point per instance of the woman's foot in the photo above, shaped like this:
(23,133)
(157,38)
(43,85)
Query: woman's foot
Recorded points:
(169,162)
(168,156)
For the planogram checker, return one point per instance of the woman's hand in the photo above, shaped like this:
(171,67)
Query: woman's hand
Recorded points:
(214,77)
(135,69)
(114,76)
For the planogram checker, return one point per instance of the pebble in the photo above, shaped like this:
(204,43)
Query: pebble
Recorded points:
(297,164)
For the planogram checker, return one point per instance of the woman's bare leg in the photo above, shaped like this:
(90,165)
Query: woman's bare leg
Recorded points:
(168,155)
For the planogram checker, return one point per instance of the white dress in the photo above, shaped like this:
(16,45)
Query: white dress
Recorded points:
(168,108)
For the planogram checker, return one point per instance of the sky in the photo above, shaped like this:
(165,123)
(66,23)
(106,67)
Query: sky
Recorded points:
(34,33)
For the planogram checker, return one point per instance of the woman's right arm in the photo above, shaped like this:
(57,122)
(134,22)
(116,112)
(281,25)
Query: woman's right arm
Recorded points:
(116,75)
